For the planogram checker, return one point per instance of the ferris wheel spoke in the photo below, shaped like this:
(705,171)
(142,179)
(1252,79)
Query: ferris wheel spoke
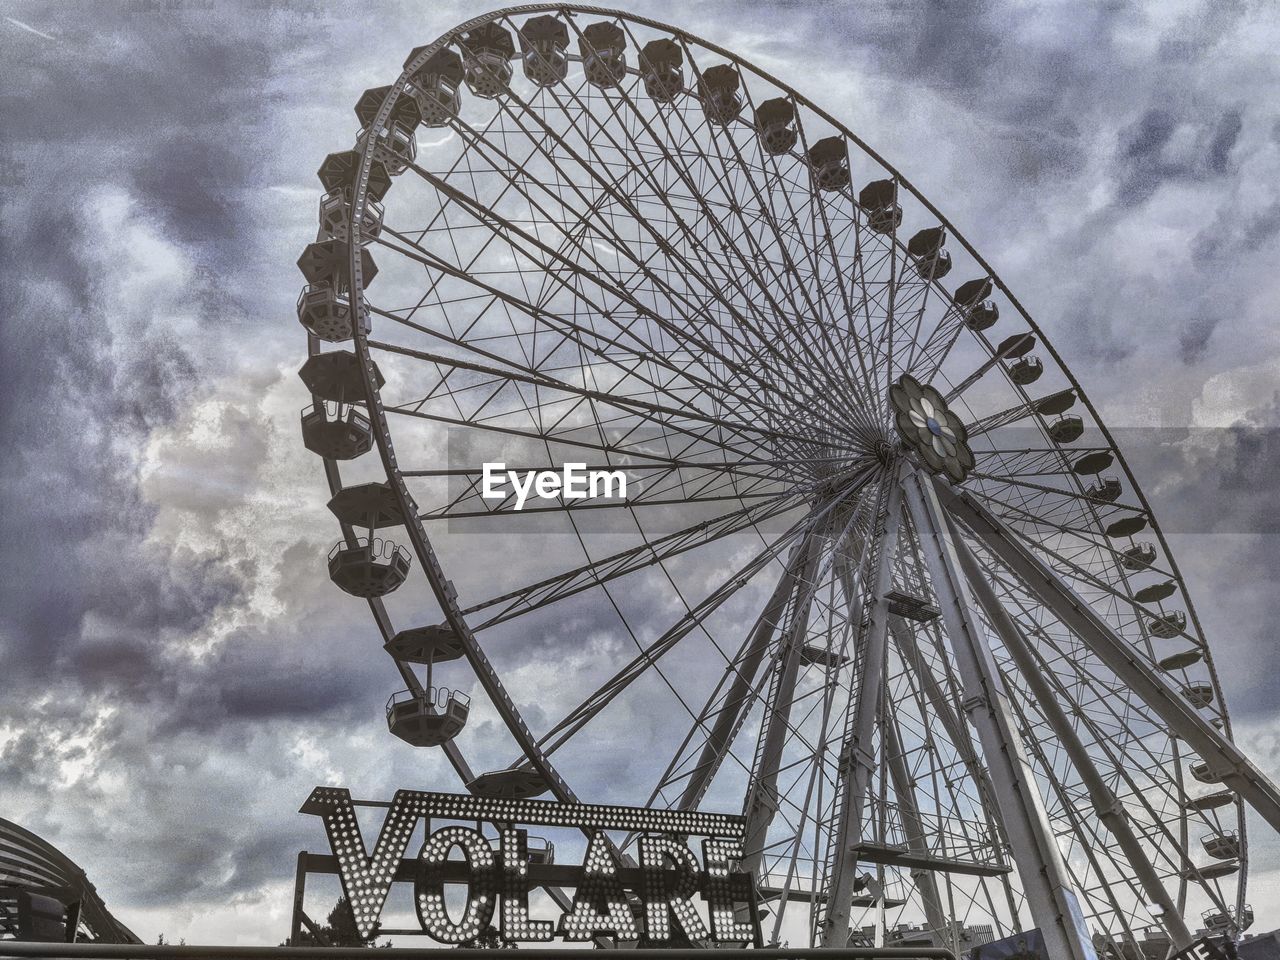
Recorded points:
(643,268)
(688,270)
(634,451)
(726,706)
(805,286)
(1012,347)
(1105,805)
(1121,761)
(1028,489)
(590,339)
(928,358)
(553,589)
(658,414)
(545,317)
(668,487)
(742,262)
(1043,518)
(703,270)
(1075,571)
(860,400)
(1234,768)
(694,619)
(1056,402)
(1031,461)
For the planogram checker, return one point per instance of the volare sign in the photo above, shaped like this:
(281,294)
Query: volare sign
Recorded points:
(656,899)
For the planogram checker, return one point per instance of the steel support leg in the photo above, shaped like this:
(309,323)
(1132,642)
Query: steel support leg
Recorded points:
(762,801)
(1105,803)
(913,826)
(957,730)
(857,759)
(1225,759)
(737,699)
(1041,870)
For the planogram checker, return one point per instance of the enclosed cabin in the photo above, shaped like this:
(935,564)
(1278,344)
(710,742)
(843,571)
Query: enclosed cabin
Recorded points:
(511,783)
(1211,801)
(718,88)
(1217,922)
(333,426)
(1212,871)
(335,218)
(1168,625)
(829,163)
(776,126)
(392,139)
(324,305)
(436,86)
(879,200)
(932,261)
(544,50)
(1138,557)
(1026,371)
(603,47)
(1106,490)
(368,566)
(433,715)
(1199,695)
(1181,660)
(403,113)
(487,52)
(338,174)
(1125,526)
(662,69)
(1066,429)
(972,299)
(428,717)
(1156,592)
(336,431)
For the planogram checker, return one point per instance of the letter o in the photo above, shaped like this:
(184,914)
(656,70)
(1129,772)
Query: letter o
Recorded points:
(481,885)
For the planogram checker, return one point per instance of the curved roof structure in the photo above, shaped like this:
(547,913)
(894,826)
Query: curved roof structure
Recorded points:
(27,861)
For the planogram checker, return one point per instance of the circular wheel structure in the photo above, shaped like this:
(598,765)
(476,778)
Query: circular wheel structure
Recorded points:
(881,580)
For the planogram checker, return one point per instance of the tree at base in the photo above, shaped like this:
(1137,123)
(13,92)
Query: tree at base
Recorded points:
(339,930)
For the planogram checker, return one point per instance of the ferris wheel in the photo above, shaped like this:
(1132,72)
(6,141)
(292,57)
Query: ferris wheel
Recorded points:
(881,580)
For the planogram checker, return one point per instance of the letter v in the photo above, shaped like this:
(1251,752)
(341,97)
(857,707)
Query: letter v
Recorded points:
(366,880)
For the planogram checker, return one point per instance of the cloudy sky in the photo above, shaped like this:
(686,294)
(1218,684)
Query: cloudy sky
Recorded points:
(175,670)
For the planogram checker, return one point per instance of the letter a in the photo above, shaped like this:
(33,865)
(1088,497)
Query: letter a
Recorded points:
(600,904)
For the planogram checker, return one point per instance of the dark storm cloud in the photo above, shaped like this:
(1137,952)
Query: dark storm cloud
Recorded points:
(138,147)
(1193,341)
(1148,157)
(129,656)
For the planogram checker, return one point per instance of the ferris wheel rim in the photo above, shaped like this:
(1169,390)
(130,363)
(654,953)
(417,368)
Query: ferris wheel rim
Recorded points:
(424,549)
